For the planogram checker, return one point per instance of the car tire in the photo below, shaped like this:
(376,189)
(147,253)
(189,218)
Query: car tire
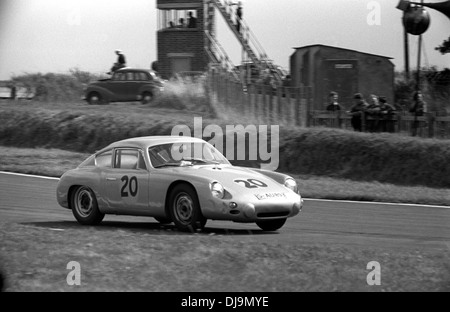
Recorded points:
(271,225)
(94,98)
(147,97)
(163,220)
(184,209)
(84,206)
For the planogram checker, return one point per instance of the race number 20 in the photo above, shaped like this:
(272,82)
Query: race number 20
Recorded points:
(129,186)
(251,183)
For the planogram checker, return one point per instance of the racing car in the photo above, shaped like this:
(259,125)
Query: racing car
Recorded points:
(179,179)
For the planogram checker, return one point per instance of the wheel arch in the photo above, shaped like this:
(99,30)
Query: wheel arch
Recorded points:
(104,93)
(169,191)
(74,187)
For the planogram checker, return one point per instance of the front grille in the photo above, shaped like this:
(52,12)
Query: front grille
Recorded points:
(272,214)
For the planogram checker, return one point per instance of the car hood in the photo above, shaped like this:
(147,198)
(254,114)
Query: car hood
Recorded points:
(233,178)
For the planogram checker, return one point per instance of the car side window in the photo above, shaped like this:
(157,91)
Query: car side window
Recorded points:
(129,159)
(130,76)
(119,76)
(103,160)
(142,76)
(138,77)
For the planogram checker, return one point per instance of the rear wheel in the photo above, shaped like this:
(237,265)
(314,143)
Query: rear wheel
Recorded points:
(271,225)
(94,98)
(184,209)
(147,97)
(84,206)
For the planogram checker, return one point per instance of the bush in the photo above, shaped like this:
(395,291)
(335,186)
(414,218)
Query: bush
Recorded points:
(56,87)
(367,157)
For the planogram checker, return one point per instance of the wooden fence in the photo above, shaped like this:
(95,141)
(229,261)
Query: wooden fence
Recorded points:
(429,125)
(282,105)
(293,107)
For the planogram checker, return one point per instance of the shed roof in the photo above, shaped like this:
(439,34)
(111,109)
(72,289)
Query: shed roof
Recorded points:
(338,48)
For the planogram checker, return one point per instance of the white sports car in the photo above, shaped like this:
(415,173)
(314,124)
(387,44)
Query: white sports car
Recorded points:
(176,179)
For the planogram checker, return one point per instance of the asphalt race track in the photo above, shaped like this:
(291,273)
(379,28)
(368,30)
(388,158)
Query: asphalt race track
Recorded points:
(30,199)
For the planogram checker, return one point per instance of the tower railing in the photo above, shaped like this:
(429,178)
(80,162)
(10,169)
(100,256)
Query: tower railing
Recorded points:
(248,40)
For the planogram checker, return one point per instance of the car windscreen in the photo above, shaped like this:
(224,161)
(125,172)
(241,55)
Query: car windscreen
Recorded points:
(185,154)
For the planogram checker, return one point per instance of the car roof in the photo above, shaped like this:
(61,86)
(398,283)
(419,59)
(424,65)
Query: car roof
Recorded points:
(148,141)
(130,69)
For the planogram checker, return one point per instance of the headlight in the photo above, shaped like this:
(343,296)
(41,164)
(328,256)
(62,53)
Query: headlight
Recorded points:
(217,190)
(291,184)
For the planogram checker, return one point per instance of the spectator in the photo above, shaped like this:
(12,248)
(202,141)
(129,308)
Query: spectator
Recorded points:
(120,61)
(287,81)
(419,109)
(373,114)
(333,104)
(357,111)
(181,23)
(239,14)
(386,112)
(420,106)
(192,21)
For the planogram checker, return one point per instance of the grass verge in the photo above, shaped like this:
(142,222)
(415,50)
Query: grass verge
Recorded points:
(35,258)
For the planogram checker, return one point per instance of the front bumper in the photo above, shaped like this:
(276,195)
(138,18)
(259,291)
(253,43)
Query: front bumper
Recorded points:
(236,211)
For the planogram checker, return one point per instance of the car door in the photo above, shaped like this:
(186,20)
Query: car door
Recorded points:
(126,183)
(131,86)
(117,86)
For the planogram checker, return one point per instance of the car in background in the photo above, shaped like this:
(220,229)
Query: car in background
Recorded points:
(176,179)
(125,85)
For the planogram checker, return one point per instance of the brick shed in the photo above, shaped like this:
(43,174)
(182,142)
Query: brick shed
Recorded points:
(345,71)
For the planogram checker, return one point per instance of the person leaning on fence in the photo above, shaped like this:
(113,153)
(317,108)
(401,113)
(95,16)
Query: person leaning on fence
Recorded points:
(373,114)
(357,111)
(333,104)
(420,106)
(387,113)
(419,109)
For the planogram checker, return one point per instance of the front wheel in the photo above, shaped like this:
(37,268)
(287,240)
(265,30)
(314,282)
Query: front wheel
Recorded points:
(184,209)
(84,206)
(147,97)
(271,225)
(94,98)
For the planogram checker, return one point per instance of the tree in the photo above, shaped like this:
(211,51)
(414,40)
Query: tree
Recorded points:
(444,47)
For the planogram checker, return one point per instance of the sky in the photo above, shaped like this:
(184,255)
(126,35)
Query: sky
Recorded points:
(57,35)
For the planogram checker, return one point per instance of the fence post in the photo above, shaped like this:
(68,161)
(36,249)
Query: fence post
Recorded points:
(398,128)
(431,120)
(363,121)
(338,119)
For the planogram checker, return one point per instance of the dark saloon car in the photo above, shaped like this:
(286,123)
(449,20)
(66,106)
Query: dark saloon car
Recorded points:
(125,85)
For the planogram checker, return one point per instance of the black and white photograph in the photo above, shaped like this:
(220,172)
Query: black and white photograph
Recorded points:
(224,154)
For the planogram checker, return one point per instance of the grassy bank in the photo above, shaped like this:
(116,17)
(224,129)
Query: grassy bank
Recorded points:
(386,158)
